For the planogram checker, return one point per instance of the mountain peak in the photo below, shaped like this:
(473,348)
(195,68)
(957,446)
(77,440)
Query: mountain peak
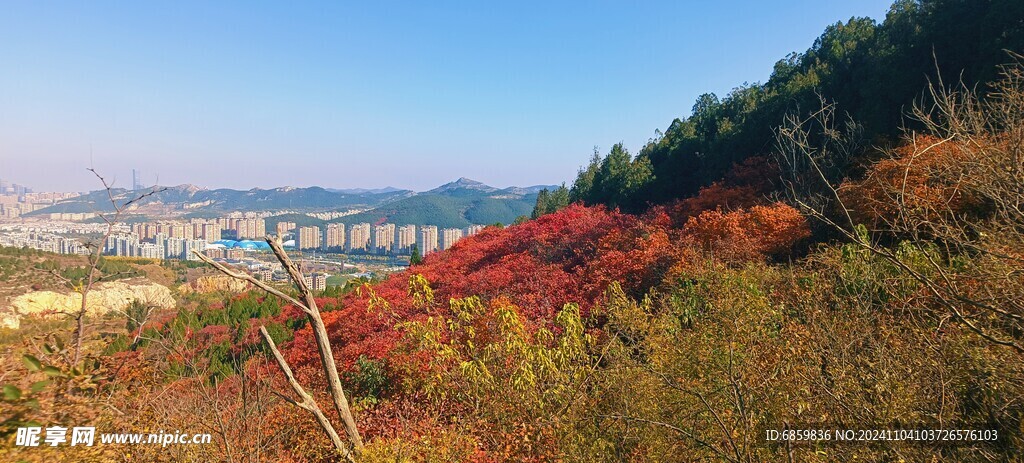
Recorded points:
(186,188)
(463,183)
(466,182)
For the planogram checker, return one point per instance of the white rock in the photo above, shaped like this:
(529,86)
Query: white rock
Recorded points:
(104,298)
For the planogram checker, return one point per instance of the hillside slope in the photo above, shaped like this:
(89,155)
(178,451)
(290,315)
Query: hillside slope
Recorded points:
(456,204)
(872,72)
(210,202)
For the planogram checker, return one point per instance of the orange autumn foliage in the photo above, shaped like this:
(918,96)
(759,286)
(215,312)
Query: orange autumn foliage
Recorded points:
(917,177)
(745,185)
(747,234)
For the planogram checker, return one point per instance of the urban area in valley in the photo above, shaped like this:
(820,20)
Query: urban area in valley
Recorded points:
(330,254)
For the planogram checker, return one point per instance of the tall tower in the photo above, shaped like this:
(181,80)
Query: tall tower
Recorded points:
(135,181)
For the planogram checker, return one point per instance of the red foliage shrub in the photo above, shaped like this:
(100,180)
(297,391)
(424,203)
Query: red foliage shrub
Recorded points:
(213,334)
(540,265)
(636,257)
(748,234)
(569,256)
(745,185)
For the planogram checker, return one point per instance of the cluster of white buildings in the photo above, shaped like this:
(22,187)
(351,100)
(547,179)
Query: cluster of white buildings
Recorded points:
(176,239)
(162,247)
(383,239)
(49,236)
(44,242)
(245,226)
(17,201)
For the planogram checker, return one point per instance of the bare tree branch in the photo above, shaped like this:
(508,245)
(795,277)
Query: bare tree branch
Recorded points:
(966,226)
(95,257)
(307,402)
(309,307)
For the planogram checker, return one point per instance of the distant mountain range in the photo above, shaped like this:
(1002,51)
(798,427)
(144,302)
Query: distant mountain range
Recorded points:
(360,191)
(190,198)
(455,204)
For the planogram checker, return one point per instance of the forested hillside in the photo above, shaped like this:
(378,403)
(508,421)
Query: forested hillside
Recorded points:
(872,72)
(446,211)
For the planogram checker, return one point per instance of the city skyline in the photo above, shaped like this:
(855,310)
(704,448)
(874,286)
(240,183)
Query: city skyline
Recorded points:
(364,96)
(180,239)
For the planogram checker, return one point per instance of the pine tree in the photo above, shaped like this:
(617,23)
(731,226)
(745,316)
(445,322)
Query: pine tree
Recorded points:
(415,258)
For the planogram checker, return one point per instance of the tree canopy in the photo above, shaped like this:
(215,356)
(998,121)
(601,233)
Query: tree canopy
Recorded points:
(872,72)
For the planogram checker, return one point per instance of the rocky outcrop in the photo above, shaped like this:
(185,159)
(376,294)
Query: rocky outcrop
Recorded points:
(104,298)
(217,283)
(10,320)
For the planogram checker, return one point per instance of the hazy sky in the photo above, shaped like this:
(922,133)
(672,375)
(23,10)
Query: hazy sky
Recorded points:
(367,94)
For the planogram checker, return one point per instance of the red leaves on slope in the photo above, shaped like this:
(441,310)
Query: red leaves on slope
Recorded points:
(745,185)
(540,265)
(572,255)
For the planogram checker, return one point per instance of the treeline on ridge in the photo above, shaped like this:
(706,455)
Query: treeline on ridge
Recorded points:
(872,72)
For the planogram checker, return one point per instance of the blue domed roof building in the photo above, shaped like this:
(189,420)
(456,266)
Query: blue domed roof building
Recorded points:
(248,245)
(253,245)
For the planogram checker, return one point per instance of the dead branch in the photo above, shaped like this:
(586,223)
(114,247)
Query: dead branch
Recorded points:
(94,258)
(307,402)
(309,307)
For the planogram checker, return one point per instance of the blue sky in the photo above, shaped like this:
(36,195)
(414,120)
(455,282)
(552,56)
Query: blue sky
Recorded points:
(367,94)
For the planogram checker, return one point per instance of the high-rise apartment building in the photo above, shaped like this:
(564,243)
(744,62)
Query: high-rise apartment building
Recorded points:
(226,223)
(68,246)
(160,239)
(149,251)
(335,237)
(315,281)
(405,237)
(174,248)
(473,229)
(149,231)
(191,247)
(284,228)
(358,237)
(426,241)
(136,180)
(251,228)
(210,232)
(308,238)
(121,245)
(176,230)
(383,238)
(449,236)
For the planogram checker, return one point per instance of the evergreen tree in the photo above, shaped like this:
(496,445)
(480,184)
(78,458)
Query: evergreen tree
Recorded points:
(583,187)
(558,199)
(415,258)
(619,179)
(541,207)
(550,201)
(872,72)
